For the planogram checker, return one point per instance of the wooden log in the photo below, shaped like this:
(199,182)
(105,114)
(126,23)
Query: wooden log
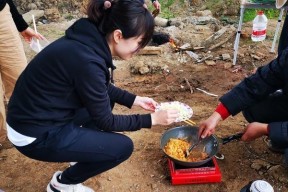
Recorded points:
(215,36)
(150,50)
(222,42)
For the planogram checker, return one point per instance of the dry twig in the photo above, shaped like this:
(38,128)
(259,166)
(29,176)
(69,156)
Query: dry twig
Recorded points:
(188,84)
(211,94)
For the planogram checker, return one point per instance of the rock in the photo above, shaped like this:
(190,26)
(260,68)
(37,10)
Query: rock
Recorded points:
(258,163)
(210,62)
(255,57)
(32,6)
(245,35)
(147,67)
(204,13)
(153,186)
(175,22)
(256,166)
(241,55)
(279,173)
(226,56)
(227,65)
(161,22)
(144,70)
(28,16)
(52,14)
(203,20)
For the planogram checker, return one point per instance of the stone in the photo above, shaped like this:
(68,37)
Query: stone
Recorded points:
(210,62)
(28,16)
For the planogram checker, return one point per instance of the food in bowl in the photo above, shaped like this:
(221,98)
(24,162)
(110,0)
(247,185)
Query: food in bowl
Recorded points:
(176,148)
(185,112)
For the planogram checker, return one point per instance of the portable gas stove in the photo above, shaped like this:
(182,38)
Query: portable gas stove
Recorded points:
(207,173)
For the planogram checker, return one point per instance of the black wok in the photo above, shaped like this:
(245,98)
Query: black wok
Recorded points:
(190,134)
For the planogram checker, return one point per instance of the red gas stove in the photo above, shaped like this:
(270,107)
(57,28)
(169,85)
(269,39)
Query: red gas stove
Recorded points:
(207,173)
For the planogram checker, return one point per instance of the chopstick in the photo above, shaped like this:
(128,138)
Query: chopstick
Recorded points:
(35,29)
(190,122)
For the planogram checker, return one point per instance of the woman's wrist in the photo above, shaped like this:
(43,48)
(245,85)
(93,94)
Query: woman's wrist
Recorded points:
(215,117)
(136,101)
(153,119)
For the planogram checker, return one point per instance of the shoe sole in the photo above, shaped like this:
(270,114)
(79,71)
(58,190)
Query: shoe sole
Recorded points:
(50,188)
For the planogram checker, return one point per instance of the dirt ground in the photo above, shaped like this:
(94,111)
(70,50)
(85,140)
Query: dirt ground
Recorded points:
(146,170)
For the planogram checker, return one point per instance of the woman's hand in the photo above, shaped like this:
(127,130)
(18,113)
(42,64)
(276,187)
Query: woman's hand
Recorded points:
(29,33)
(254,130)
(207,127)
(146,103)
(164,117)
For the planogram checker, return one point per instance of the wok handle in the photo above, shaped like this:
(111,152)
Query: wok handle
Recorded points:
(231,138)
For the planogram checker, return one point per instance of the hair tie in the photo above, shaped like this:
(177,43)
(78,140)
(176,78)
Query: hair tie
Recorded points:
(107,4)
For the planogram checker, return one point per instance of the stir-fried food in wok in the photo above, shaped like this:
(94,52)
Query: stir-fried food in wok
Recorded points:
(176,148)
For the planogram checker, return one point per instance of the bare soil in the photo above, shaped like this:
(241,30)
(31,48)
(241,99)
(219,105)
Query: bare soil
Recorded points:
(146,170)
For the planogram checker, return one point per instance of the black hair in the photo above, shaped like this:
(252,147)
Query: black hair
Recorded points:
(130,16)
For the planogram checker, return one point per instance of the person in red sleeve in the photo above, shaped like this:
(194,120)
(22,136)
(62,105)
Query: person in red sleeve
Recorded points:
(262,103)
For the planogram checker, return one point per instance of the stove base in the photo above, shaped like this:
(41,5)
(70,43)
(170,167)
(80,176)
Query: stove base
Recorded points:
(208,173)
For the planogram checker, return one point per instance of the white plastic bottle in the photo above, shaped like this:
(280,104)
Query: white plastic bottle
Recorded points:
(259,27)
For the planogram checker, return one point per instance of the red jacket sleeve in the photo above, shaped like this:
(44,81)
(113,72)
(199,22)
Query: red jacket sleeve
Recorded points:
(222,110)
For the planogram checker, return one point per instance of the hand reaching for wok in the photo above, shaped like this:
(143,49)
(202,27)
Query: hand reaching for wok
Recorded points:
(207,127)
(252,131)
(255,130)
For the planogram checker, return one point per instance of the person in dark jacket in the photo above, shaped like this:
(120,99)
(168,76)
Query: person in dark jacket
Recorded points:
(61,107)
(265,108)
(283,41)
(12,55)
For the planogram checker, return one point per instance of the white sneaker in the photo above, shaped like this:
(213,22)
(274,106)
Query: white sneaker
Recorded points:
(55,186)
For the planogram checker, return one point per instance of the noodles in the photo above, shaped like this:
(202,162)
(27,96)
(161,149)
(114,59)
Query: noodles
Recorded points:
(176,148)
(185,112)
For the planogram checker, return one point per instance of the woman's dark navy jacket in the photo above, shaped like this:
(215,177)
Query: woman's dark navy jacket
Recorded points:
(266,80)
(69,74)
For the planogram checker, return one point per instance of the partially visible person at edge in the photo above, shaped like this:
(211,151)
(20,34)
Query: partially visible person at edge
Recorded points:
(12,56)
(283,41)
(262,104)
(155,3)
(61,107)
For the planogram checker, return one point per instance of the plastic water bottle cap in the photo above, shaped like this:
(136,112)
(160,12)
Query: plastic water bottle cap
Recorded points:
(261,186)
